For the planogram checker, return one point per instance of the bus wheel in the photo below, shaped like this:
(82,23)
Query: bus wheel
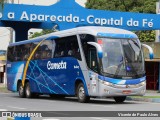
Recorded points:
(81,94)
(120,99)
(28,90)
(21,90)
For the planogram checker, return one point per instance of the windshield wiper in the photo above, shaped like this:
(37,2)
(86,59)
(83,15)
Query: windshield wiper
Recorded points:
(118,69)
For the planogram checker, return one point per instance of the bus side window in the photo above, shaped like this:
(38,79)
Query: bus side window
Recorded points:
(10,54)
(60,47)
(19,52)
(73,47)
(92,59)
(37,52)
(26,52)
(67,47)
(46,49)
(89,51)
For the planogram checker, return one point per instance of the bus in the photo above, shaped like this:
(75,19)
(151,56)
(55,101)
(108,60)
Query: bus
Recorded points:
(86,62)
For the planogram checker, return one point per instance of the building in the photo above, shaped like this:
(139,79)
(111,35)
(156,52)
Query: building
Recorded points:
(153,67)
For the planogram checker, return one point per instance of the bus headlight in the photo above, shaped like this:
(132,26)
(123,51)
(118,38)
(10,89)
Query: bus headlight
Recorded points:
(142,83)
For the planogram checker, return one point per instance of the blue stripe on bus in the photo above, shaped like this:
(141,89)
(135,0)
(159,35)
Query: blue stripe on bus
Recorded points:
(114,35)
(122,81)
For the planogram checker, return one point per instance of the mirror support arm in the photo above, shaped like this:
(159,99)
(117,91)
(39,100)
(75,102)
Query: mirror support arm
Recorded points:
(98,47)
(151,55)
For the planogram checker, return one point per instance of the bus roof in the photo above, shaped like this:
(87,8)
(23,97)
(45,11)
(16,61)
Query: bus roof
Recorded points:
(93,30)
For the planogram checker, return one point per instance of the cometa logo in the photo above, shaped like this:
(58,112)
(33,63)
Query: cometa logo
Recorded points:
(60,65)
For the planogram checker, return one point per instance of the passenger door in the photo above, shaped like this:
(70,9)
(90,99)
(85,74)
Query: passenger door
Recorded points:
(93,73)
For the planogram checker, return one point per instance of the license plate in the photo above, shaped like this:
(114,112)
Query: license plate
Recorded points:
(126,91)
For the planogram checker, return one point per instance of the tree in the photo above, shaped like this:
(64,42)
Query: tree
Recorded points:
(43,32)
(140,6)
(2,3)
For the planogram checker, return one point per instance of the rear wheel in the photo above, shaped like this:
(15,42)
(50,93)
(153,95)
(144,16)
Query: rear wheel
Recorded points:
(81,94)
(21,90)
(120,99)
(28,92)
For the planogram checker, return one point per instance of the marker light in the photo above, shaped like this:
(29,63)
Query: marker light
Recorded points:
(100,42)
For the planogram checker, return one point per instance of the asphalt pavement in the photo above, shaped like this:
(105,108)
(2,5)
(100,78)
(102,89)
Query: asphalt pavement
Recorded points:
(59,107)
(150,96)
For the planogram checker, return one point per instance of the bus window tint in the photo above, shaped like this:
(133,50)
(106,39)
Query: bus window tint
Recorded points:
(60,50)
(26,52)
(46,49)
(19,52)
(10,54)
(73,48)
(89,51)
(37,52)
(67,47)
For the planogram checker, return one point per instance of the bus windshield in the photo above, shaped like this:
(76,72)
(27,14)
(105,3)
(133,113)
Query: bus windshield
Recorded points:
(122,58)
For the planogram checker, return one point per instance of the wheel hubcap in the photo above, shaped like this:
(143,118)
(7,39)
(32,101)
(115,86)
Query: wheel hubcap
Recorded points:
(21,90)
(81,93)
(27,91)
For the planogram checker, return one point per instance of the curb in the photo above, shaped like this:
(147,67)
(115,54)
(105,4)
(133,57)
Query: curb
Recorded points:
(155,100)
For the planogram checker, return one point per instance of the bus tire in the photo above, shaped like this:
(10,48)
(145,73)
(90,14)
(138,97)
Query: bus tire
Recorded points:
(120,99)
(21,90)
(28,92)
(81,94)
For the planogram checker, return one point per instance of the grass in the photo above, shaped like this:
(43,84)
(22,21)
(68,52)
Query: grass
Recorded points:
(10,119)
(145,96)
(4,90)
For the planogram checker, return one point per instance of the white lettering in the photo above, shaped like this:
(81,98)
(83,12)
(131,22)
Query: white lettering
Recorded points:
(11,15)
(102,21)
(75,19)
(60,65)
(46,17)
(111,21)
(89,19)
(124,115)
(76,67)
(69,18)
(147,23)
(59,18)
(144,22)
(97,21)
(118,21)
(41,17)
(33,17)
(53,18)
(24,16)
(132,22)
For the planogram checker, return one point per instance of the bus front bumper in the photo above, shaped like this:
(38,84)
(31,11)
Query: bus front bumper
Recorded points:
(122,90)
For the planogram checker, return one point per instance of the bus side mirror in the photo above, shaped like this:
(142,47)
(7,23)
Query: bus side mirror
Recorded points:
(151,55)
(98,47)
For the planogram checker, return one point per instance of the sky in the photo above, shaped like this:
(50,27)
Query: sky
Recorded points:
(5,33)
(43,2)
